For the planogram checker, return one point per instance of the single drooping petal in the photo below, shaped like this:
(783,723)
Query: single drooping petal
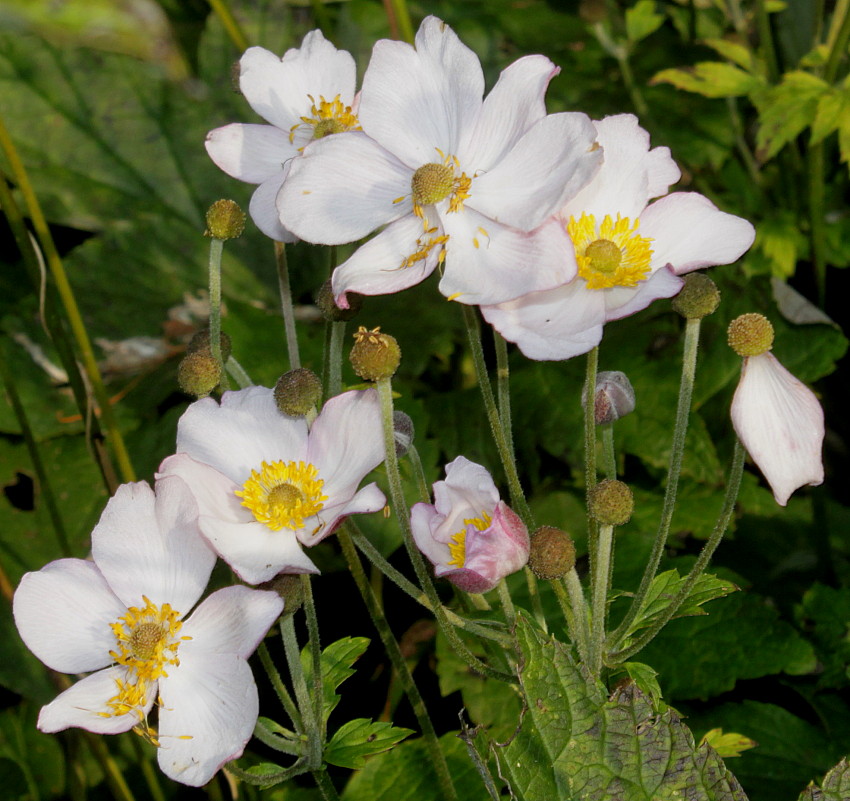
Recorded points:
(472,538)
(780,423)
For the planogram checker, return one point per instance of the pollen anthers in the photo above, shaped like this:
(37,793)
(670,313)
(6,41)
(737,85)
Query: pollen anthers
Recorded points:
(430,238)
(327,117)
(283,494)
(610,254)
(457,544)
(436,181)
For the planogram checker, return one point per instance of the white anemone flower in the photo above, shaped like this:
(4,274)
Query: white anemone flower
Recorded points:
(266,485)
(630,252)
(459,182)
(307,94)
(124,615)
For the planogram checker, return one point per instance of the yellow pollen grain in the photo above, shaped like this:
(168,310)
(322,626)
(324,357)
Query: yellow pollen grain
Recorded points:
(327,117)
(283,494)
(611,253)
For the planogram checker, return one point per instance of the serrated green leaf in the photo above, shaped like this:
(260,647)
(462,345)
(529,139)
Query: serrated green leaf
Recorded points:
(641,20)
(778,236)
(712,79)
(834,787)
(360,738)
(832,107)
(647,681)
(785,111)
(337,660)
(825,615)
(730,744)
(576,743)
(739,54)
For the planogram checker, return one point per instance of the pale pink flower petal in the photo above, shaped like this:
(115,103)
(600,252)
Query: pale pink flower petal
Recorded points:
(780,423)
(263,207)
(250,153)
(366,500)
(623,301)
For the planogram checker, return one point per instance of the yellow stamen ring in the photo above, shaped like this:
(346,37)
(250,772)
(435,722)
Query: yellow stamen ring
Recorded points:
(612,254)
(457,544)
(327,117)
(283,494)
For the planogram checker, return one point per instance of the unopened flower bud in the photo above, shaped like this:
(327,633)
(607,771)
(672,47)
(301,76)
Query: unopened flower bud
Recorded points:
(615,397)
(331,312)
(553,553)
(402,432)
(198,374)
(289,588)
(698,298)
(200,343)
(225,220)
(297,392)
(374,355)
(611,502)
(750,335)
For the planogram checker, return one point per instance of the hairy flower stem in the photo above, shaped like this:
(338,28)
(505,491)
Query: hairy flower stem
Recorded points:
(507,603)
(286,305)
(503,388)
(599,599)
(391,646)
(402,513)
(302,695)
(732,487)
(686,390)
(325,785)
(418,471)
(592,366)
(240,376)
(315,652)
(279,687)
(573,607)
(216,249)
(332,366)
(608,451)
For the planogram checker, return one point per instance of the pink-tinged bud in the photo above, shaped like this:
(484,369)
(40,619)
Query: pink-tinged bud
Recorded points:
(780,423)
(472,538)
(615,397)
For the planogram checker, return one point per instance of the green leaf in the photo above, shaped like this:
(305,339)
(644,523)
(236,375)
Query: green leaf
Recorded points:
(825,615)
(360,738)
(337,660)
(832,107)
(36,756)
(730,744)
(834,787)
(739,54)
(576,743)
(779,238)
(712,79)
(641,20)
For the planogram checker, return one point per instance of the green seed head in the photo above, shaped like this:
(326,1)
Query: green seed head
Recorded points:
(297,392)
(553,553)
(611,502)
(374,355)
(198,374)
(225,220)
(698,298)
(750,335)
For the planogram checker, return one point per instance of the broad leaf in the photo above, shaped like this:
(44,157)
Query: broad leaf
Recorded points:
(361,738)
(641,20)
(712,79)
(834,787)
(337,660)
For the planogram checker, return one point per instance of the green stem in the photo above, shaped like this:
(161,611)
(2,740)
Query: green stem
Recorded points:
(589,395)
(114,776)
(581,612)
(315,652)
(732,487)
(334,346)
(507,603)
(817,219)
(600,598)
(608,451)
(402,18)
(231,26)
(503,389)
(239,374)
(216,249)
(280,688)
(419,473)
(286,305)
(266,779)
(325,785)
(536,601)
(150,775)
(575,629)
(292,746)
(839,33)
(680,429)
(302,693)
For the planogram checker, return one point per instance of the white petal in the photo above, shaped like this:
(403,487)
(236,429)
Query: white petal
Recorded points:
(367,500)
(84,706)
(468,492)
(63,613)
(553,325)
(514,104)
(506,263)
(214,492)
(622,301)
(244,430)
(549,164)
(415,101)
(263,208)
(209,709)
(250,153)
(254,551)
(780,423)
(231,621)
(342,188)
(689,232)
(424,519)
(149,545)
(376,267)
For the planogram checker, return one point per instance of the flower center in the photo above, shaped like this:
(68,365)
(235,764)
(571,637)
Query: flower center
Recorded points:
(327,117)
(146,643)
(457,544)
(431,183)
(610,254)
(283,494)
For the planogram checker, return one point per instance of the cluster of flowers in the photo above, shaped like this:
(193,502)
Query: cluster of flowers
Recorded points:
(251,485)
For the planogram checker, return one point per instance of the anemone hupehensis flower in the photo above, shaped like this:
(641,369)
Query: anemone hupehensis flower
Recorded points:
(459,181)
(630,252)
(307,94)
(124,615)
(472,538)
(266,485)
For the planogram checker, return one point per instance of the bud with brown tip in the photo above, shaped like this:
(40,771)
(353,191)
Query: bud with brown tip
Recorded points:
(374,355)
(297,392)
(553,553)
(615,397)
(611,502)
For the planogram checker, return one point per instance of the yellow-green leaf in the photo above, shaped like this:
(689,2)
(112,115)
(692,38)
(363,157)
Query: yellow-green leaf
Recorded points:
(738,54)
(728,745)
(832,107)
(712,79)
(642,19)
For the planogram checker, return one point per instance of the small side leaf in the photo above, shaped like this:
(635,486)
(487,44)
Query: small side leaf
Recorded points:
(727,745)
(641,20)
(337,660)
(712,79)
(360,738)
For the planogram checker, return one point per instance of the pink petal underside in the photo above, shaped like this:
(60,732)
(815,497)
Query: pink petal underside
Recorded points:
(621,302)
(250,153)
(263,208)
(465,579)
(424,519)
(781,424)
(468,492)
(63,613)
(499,550)
(214,492)
(416,101)
(367,500)
(342,188)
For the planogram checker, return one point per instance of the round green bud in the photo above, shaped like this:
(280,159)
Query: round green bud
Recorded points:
(698,298)
(225,220)
(374,355)
(402,432)
(200,343)
(750,335)
(288,587)
(552,554)
(198,374)
(611,502)
(331,312)
(297,392)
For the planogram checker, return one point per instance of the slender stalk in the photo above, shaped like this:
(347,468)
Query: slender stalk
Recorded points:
(325,785)
(114,777)
(302,693)
(292,747)
(150,775)
(69,302)
(589,395)
(402,18)
(429,735)
(280,688)
(216,249)
(608,451)
(231,26)
(536,602)
(299,767)
(334,344)
(839,33)
(683,408)
(416,463)
(286,305)
(600,598)
(503,389)
(732,487)
(574,629)
(507,603)
(581,612)
(315,652)
(238,372)
(817,218)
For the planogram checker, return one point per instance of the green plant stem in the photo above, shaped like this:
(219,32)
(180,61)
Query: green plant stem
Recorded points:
(600,598)
(315,652)
(608,451)
(677,448)
(216,249)
(334,339)
(399,15)
(419,473)
(114,777)
(150,775)
(385,392)
(231,26)
(507,603)
(300,766)
(732,487)
(536,601)
(272,740)
(766,41)
(69,303)
(817,218)
(581,612)
(589,395)
(325,785)
(286,305)
(302,693)
(283,695)
(575,626)
(503,389)
(323,20)
(239,374)
(391,646)
(839,33)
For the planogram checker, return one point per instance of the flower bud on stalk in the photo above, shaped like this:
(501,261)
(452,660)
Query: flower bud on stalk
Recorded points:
(225,220)
(198,374)
(297,392)
(374,355)
(611,502)
(331,312)
(553,553)
(200,343)
(698,298)
(402,432)
(288,587)
(615,397)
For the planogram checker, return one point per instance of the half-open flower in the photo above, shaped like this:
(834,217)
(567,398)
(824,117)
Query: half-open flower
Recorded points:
(307,94)
(472,538)
(457,180)
(124,615)
(629,253)
(265,484)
